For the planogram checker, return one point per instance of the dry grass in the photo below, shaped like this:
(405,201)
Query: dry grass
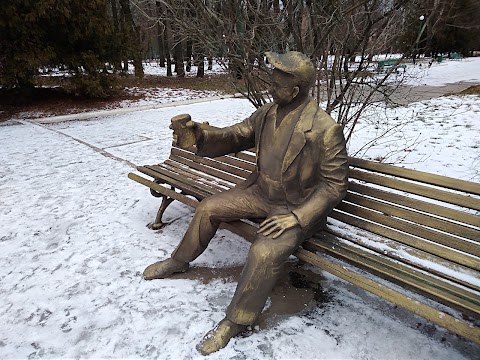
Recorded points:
(50,98)
(472,90)
(220,83)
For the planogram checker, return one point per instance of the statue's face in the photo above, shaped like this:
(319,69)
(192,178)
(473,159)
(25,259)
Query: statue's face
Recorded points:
(283,87)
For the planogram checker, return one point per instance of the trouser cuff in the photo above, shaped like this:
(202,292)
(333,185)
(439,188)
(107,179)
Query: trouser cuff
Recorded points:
(241,316)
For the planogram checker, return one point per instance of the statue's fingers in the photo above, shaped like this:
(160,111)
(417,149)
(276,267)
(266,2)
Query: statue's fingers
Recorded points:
(268,222)
(280,232)
(263,225)
(268,230)
(191,124)
(261,230)
(265,228)
(264,222)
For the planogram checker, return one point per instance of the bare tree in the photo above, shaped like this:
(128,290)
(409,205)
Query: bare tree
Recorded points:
(345,38)
(133,39)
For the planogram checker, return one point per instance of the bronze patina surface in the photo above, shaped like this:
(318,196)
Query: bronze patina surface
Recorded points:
(300,175)
(184,136)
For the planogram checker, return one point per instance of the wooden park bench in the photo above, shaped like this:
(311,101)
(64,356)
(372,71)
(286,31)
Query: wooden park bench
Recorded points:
(384,65)
(407,236)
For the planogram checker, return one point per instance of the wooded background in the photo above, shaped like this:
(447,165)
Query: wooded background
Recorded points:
(95,39)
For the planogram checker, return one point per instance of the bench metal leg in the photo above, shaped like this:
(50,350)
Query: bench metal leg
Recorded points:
(158,224)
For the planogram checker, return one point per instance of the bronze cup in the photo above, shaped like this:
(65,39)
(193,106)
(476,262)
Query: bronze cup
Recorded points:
(183,135)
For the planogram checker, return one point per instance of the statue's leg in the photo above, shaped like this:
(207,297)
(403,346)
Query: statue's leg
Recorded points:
(227,206)
(262,269)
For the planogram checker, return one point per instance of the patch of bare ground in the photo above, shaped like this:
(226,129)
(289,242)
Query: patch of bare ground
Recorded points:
(51,97)
(472,90)
(298,290)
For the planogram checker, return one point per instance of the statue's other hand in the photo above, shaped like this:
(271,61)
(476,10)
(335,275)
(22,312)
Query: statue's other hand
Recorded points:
(276,225)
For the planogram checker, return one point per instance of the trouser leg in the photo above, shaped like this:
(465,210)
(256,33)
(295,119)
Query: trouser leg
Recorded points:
(262,269)
(227,206)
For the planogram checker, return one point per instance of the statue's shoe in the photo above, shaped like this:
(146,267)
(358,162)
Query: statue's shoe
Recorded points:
(219,336)
(164,269)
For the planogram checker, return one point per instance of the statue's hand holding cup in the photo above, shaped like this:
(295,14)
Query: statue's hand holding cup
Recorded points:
(186,132)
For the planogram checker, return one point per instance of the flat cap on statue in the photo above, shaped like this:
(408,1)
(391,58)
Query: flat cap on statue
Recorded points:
(293,62)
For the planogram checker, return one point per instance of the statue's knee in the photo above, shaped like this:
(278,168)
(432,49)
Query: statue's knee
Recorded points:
(263,251)
(205,207)
(208,209)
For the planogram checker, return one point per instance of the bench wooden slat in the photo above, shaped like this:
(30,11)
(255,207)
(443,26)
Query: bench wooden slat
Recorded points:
(179,184)
(158,171)
(445,320)
(401,237)
(181,168)
(235,161)
(390,249)
(163,190)
(443,292)
(208,170)
(469,247)
(251,158)
(330,243)
(424,177)
(435,237)
(211,162)
(427,207)
(429,192)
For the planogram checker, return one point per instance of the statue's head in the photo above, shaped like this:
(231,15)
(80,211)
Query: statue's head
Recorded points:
(293,72)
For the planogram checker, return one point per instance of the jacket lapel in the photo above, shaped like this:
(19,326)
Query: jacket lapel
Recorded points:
(298,141)
(263,116)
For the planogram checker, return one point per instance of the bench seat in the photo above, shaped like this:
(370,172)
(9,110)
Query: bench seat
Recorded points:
(395,228)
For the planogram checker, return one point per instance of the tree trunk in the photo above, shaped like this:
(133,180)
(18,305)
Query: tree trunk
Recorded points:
(189,55)
(179,67)
(133,38)
(161,48)
(200,66)
(167,38)
(160,37)
(117,63)
(167,53)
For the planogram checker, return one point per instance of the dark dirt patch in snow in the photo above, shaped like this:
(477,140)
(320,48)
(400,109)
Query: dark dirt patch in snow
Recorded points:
(49,97)
(297,291)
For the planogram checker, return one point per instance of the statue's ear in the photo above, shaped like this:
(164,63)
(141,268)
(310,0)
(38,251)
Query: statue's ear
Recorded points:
(296,90)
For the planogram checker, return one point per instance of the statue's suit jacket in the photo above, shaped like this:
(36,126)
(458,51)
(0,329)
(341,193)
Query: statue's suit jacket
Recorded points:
(314,168)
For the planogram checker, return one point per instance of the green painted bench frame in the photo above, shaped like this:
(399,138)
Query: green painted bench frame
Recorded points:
(455,56)
(396,227)
(383,64)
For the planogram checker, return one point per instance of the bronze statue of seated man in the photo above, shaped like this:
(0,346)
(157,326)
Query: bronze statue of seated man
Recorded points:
(300,175)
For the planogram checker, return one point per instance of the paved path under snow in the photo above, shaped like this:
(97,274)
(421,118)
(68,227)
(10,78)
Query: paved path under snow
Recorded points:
(404,95)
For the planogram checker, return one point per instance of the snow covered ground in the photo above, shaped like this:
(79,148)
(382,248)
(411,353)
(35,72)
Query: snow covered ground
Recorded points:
(74,244)
(153,68)
(163,95)
(447,72)
(439,136)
